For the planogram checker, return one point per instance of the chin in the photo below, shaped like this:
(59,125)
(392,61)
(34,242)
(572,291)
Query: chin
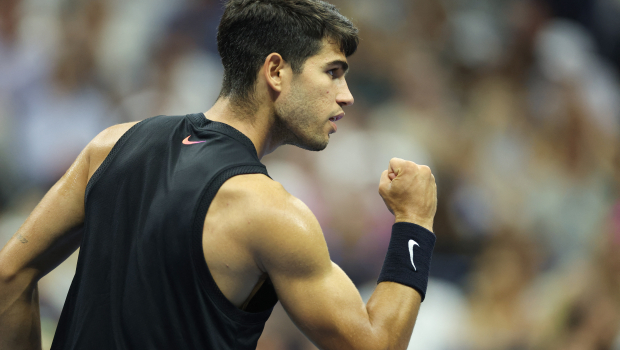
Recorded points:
(315,148)
(312,145)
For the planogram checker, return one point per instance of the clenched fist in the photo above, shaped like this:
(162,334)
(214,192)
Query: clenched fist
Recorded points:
(409,192)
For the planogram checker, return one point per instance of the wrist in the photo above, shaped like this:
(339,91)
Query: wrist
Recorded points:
(408,259)
(427,224)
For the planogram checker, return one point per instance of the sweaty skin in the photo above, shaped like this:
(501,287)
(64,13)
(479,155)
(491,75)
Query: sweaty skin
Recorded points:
(278,236)
(50,234)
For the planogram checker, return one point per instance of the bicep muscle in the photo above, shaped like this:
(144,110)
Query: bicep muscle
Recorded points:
(319,297)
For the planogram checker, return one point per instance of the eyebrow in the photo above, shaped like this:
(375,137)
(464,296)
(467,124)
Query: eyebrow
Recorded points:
(344,65)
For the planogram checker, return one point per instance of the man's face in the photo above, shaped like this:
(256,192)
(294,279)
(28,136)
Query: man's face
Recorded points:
(308,109)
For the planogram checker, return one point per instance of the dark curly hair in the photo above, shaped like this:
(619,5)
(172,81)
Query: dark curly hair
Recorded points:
(250,30)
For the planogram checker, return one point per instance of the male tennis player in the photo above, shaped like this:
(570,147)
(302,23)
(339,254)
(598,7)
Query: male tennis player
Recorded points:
(186,243)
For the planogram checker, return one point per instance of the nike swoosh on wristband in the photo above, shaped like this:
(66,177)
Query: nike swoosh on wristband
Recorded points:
(188,142)
(411,244)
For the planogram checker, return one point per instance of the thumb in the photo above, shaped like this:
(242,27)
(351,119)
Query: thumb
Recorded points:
(395,167)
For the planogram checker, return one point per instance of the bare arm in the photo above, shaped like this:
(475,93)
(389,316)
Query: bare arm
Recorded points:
(316,293)
(50,234)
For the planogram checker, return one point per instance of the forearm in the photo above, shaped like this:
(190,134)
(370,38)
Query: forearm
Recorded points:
(23,261)
(395,303)
(392,311)
(20,324)
(344,322)
(385,322)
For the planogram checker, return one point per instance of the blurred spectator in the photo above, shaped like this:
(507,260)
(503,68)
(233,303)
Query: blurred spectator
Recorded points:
(61,113)
(587,315)
(184,70)
(500,311)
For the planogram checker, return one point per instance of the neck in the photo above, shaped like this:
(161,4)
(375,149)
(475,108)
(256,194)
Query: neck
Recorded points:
(258,125)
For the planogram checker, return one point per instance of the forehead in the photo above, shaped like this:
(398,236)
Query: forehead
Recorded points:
(329,52)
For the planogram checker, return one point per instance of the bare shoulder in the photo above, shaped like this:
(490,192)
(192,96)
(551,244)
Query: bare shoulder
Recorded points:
(266,193)
(99,148)
(265,202)
(280,228)
(108,137)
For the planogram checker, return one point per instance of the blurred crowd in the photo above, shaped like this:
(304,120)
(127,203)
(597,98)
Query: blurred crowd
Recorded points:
(514,104)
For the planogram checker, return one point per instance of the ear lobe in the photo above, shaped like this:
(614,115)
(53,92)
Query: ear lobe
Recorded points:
(273,67)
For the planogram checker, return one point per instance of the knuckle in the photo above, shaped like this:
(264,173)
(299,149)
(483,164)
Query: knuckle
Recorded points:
(426,170)
(410,165)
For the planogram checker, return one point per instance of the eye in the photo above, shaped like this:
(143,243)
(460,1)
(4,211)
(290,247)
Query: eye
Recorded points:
(335,73)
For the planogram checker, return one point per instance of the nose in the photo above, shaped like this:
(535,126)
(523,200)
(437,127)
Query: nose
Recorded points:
(344,97)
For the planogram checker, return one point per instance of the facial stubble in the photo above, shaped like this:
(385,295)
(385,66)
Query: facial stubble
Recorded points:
(297,125)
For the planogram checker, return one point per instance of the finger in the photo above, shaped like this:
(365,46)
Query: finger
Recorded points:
(390,169)
(395,166)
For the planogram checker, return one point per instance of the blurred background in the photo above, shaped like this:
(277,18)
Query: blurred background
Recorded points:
(514,104)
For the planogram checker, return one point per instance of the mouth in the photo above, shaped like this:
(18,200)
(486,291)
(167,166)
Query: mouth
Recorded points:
(337,118)
(333,121)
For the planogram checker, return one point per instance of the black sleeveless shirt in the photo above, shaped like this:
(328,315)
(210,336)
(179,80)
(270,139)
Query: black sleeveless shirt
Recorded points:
(141,280)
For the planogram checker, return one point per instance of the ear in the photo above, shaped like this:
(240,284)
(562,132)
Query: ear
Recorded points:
(275,71)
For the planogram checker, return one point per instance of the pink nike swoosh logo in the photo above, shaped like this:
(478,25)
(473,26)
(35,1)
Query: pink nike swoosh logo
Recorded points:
(188,142)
